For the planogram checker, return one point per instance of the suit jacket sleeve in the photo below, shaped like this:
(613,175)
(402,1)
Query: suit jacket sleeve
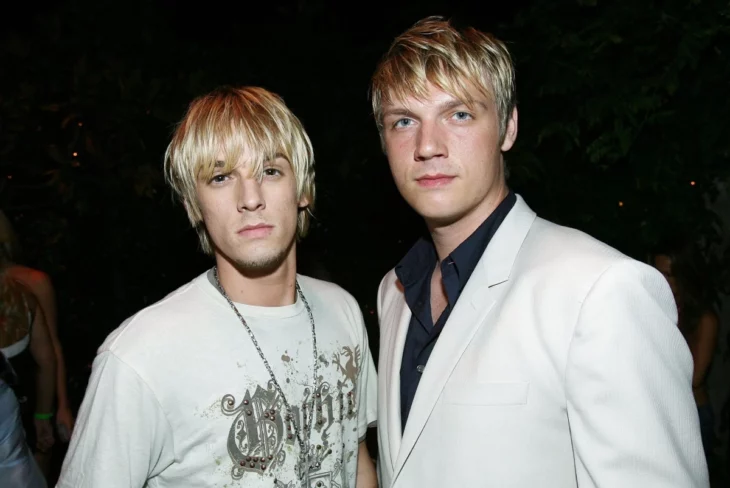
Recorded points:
(628,380)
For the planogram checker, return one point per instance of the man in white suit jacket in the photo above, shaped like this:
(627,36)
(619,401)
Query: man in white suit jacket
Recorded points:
(514,352)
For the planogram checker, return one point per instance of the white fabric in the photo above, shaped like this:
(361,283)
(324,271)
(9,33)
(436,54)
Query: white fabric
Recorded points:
(17,347)
(560,366)
(170,393)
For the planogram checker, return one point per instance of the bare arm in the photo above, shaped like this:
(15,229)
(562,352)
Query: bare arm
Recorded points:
(44,292)
(703,347)
(40,285)
(41,348)
(366,477)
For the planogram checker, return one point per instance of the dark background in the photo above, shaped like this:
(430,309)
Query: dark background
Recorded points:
(623,132)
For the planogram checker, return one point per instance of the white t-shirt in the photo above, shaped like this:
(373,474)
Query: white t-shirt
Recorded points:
(179,396)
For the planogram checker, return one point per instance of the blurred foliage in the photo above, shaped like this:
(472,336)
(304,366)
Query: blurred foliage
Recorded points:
(624,133)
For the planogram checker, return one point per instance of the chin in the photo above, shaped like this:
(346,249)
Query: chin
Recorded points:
(257,268)
(437,210)
(262,259)
(440,219)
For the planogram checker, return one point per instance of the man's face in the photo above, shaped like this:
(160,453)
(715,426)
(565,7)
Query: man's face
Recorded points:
(446,158)
(251,221)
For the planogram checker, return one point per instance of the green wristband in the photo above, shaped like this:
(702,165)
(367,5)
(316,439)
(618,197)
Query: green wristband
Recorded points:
(43,416)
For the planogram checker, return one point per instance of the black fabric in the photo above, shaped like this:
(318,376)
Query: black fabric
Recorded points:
(414,272)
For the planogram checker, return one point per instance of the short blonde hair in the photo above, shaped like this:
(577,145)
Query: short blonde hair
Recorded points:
(234,121)
(453,60)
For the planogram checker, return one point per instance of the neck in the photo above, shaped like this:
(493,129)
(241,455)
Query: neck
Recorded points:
(448,237)
(274,288)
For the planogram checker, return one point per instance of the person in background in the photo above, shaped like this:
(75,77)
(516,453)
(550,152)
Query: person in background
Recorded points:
(698,322)
(40,286)
(24,338)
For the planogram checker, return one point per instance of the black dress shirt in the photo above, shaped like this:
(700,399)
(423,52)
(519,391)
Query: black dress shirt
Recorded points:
(415,271)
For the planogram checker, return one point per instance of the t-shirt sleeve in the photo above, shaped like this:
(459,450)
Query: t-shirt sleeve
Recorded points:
(122,437)
(367,383)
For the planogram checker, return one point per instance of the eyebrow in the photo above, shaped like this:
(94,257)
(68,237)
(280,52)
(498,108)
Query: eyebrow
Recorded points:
(452,104)
(458,103)
(443,107)
(397,111)
(222,164)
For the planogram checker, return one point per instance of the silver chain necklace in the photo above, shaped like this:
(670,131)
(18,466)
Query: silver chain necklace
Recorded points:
(304,466)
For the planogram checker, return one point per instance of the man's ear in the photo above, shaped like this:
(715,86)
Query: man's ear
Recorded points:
(510,132)
(303,202)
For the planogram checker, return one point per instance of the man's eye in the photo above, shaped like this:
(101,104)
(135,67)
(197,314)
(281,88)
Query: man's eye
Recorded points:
(402,123)
(218,178)
(462,115)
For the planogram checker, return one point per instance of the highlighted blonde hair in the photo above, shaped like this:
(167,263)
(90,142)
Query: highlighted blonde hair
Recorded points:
(17,303)
(232,122)
(453,60)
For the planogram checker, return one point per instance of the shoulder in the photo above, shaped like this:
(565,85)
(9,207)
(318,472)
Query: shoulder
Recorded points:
(327,292)
(556,248)
(390,279)
(35,280)
(337,308)
(390,282)
(150,329)
(561,258)
(566,242)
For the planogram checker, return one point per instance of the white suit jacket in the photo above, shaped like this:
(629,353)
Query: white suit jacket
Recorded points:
(560,366)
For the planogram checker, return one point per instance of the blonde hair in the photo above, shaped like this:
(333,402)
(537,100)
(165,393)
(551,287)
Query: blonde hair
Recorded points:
(234,121)
(17,310)
(453,60)
(16,301)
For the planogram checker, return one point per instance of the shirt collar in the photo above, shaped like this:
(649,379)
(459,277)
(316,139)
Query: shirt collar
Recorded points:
(420,259)
(466,256)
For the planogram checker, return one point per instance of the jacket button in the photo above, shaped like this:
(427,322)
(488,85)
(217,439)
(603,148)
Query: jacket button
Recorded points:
(420,368)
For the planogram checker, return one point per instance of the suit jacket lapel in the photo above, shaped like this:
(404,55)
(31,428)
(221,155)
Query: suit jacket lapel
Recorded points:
(470,313)
(400,317)
(463,323)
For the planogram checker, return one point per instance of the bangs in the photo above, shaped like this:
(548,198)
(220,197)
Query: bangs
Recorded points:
(237,133)
(408,75)
(455,61)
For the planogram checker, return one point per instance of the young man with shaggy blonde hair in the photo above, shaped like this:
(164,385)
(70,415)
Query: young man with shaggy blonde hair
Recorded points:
(251,374)
(514,352)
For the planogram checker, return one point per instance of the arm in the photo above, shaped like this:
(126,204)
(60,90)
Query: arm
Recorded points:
(41,349)
(42,288)
(122,437)
(633,419)
(365,468)
(703,347)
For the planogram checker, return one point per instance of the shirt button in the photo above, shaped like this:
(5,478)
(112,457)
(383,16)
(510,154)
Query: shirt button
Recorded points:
(420,368)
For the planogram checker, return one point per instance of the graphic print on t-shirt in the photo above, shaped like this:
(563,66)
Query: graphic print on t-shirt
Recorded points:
(262,439)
